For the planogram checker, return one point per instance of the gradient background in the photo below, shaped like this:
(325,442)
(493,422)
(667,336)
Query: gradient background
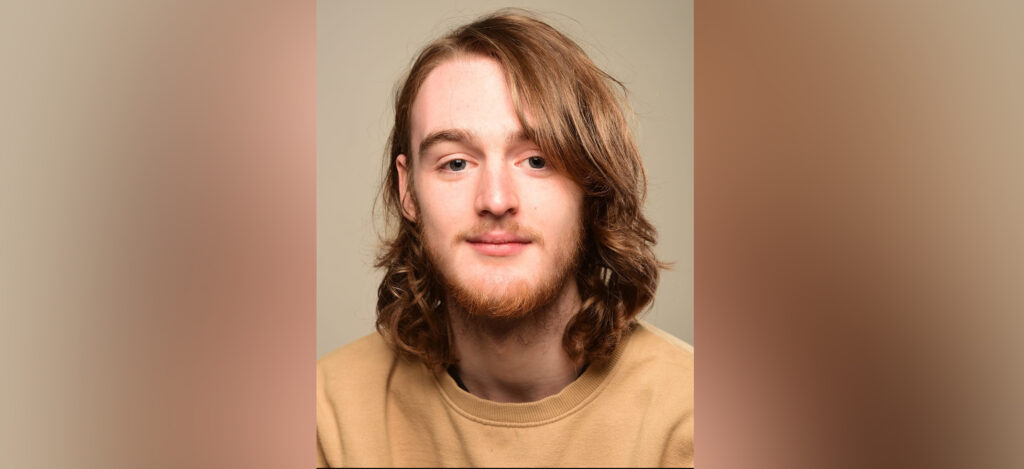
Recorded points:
(157,260)
(857,233)
(364,49)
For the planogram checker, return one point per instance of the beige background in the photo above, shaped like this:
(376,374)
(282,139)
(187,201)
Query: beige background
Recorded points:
(364,47)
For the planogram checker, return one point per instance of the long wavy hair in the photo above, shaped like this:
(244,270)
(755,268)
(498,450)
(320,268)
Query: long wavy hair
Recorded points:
(577,117)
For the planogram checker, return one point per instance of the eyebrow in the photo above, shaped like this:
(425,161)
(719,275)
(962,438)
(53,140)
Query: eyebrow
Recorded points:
(446,135)
(464,137)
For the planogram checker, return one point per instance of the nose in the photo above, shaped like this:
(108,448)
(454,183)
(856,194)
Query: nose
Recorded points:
(496,192)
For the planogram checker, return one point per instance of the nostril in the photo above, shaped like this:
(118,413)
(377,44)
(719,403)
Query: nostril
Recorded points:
(496,192)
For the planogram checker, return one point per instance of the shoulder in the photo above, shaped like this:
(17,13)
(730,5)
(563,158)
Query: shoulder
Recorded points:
(351,385)
(364,358)
(653,359)
(662,366)
(366,349)
(659,367)
(652,343)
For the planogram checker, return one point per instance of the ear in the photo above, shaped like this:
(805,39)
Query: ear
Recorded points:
(408,207)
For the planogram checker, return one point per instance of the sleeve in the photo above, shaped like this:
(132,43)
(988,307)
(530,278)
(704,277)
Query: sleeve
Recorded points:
(679,450)
(328,441)
(321,460)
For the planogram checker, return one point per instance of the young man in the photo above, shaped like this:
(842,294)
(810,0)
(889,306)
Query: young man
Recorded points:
(519,260)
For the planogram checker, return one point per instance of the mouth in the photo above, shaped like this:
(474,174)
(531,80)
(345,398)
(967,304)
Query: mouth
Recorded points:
(498,244)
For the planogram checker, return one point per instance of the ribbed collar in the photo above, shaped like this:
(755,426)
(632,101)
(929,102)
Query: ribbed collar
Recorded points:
(526,414)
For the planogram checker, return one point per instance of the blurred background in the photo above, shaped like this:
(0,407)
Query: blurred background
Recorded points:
(157,236)
(858,233)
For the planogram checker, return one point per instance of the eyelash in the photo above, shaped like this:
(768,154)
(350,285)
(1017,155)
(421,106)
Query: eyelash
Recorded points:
(447,165)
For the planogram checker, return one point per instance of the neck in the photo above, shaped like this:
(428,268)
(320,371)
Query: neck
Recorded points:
(516,360)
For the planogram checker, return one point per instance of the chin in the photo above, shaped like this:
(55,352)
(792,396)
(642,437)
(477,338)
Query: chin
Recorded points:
(505,288)
(497,286)
(507,298)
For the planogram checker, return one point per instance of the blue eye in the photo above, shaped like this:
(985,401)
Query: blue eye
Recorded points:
(456,165)
(537,162)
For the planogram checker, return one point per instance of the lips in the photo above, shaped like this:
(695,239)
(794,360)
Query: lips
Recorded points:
(498,238)
(498,243)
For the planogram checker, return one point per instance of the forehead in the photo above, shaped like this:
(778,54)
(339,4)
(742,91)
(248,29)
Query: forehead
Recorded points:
(468,93)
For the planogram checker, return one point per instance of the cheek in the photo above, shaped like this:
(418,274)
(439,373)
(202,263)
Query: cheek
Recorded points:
(439,208)
(558,211)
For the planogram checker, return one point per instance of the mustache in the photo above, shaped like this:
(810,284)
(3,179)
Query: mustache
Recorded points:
(511,227)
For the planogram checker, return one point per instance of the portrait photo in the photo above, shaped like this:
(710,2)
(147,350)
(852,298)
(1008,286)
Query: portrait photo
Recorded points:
(504,233)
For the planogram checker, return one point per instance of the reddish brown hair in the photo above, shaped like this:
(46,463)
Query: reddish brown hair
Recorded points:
(576,117)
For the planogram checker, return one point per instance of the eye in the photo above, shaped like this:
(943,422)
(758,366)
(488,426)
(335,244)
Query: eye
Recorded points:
(456,165)
(537,162)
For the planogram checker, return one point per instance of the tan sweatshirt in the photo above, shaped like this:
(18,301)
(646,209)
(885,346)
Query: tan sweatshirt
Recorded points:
(636,409)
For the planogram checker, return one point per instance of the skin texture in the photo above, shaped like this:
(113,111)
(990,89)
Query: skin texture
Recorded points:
(501,225)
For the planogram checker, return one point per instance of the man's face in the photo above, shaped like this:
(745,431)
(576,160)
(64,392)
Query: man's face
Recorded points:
(500,224)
